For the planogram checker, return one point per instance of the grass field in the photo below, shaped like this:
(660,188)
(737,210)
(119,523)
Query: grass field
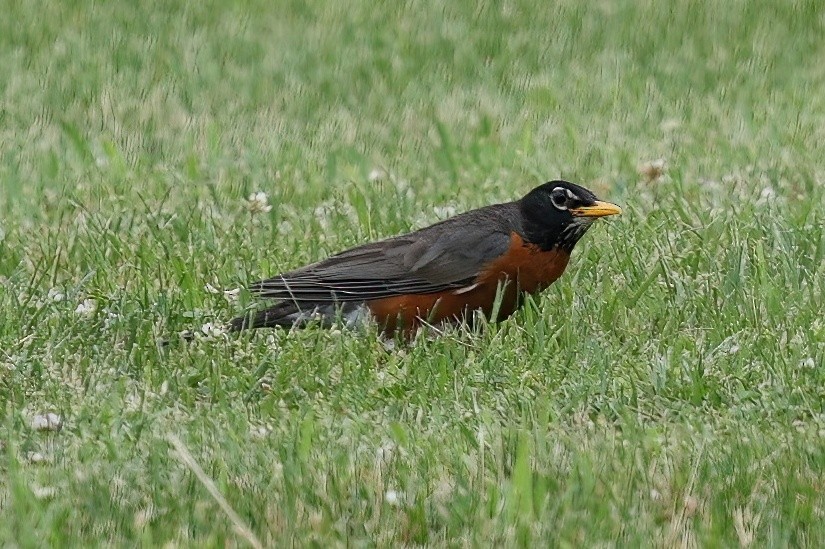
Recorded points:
(669,390)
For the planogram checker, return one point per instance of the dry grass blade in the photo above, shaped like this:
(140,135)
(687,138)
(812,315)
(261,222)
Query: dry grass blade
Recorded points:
(237,522)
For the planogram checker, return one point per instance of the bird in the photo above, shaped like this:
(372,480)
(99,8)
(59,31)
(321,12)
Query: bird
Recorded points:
(487,260)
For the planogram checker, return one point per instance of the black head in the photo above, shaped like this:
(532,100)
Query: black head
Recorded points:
(558,213)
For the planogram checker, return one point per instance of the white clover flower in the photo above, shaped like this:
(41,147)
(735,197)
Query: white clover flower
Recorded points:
(56,295)
(258,202)
(212,330)
(394,498)
(271,341)
(322,213)
(44,492)
(443,212)
(376,174)
(35,457)
(86,308)
(47,422)
(232,295)
(111,319)
(767,194)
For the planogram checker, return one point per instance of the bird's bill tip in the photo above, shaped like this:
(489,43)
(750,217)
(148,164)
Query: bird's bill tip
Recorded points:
(597,209)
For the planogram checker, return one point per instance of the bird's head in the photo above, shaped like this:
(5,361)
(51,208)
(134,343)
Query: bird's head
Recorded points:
(558,213)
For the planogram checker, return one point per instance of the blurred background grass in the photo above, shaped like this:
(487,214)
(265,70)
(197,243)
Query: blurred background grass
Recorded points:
(668,390)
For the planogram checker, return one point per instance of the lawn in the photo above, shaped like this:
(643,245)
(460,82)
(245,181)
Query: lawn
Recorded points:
(668,390)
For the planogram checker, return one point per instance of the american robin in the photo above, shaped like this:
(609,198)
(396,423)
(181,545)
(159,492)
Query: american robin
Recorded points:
(485,259)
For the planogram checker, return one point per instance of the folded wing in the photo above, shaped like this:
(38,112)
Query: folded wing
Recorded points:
(446,256)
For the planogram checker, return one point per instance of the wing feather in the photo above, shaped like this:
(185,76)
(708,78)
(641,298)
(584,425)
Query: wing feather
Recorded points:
(445,256)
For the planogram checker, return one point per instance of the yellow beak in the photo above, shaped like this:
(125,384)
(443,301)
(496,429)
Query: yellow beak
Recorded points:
(599,209)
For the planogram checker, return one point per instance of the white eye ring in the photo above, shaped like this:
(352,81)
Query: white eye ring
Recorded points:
(556,195)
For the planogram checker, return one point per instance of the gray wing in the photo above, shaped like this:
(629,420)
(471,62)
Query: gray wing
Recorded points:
(448,255)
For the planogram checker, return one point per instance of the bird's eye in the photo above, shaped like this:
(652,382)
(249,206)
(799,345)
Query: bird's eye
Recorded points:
(559,197)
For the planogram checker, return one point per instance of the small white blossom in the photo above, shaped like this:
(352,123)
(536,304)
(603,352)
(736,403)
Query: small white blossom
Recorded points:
(443,212)
(232,295)
(322,213)
(210,289)
(111,319)
(35,457)
(47,422)
(271,341)
(258,202)
(376,174)
(211,330)
(394,498)
(44,492)
(86,308)
(767,194)
(56,295)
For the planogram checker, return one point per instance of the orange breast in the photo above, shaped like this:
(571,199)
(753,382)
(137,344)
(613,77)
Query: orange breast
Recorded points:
(523,269)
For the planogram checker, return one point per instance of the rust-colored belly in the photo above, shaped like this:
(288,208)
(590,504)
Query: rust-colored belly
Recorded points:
(523,269)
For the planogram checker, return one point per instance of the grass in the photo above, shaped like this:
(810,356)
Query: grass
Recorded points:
(668,390)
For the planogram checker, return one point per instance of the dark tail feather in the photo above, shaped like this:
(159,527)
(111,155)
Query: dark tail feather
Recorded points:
(267,318)
(283,314)
(289,314)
